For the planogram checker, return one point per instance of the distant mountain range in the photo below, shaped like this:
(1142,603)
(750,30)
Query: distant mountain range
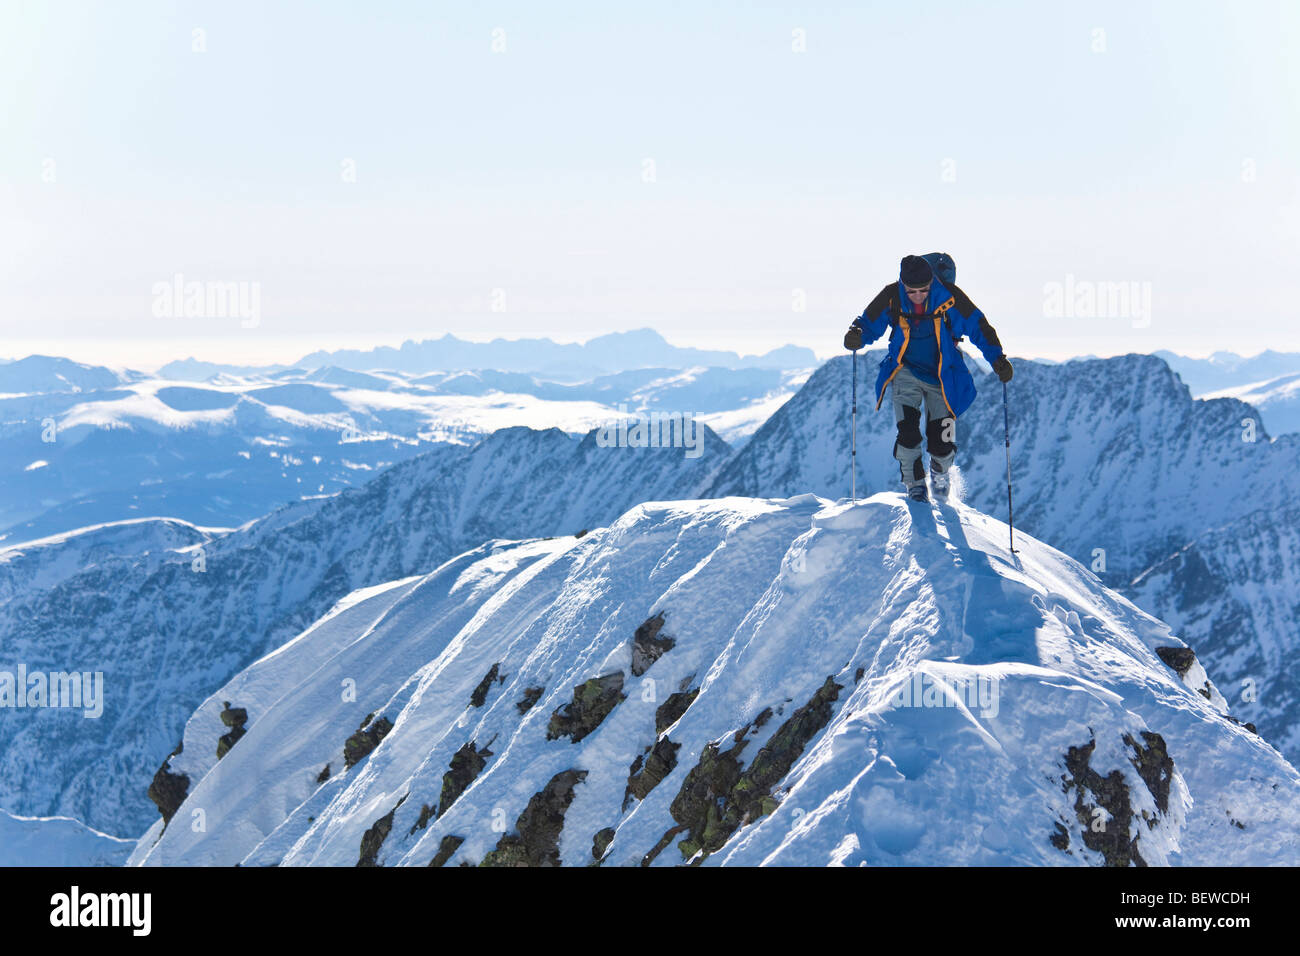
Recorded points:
(85,445)
(1224,370)
(563,362)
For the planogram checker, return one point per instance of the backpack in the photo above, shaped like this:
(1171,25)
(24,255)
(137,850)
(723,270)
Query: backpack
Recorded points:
(945,270)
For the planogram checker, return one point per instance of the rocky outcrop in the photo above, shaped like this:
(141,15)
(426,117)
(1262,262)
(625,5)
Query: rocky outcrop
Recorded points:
(600,843)
(168,789)
(466,764)
(357,747)
(719,796)
(374,838)
(1108,832)
(592,703)
(446,849)
(648,646)
(672,709)
(234,718)
(531,696)
(648,770)
(536,840)
(479,697)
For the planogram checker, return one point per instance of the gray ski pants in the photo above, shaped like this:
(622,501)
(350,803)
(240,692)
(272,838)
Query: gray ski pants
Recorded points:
(940,428)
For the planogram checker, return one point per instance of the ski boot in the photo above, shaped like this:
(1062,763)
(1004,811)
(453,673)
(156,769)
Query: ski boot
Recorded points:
(917,492)
(939,484)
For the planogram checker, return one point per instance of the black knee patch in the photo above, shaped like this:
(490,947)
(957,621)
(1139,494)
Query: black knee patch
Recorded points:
(934,430)
(918,473)
(909,429)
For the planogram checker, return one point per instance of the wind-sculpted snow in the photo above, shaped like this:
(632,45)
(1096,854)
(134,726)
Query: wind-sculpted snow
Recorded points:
(165,632)
(758,681)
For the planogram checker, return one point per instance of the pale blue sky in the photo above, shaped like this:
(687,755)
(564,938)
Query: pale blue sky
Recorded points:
(1016,136)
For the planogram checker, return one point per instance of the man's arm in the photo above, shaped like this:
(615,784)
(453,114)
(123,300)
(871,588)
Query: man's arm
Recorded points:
(969,321)
(874,320)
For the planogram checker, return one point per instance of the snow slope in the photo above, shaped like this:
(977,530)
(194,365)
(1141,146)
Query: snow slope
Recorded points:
(41,564)
(165,633)
(1234,594)
(723,682)
(57,841)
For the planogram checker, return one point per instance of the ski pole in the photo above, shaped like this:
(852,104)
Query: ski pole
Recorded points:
(854,457)
(1006,431)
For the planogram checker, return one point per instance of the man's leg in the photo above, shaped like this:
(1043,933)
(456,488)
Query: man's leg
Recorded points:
(940,440)
(907,394)
(940,434)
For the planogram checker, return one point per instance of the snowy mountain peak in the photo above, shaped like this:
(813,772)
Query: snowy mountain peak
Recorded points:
(739,680)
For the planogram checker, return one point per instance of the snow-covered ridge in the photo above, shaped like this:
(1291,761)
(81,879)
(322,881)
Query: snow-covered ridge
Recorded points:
(739,681)
(1111,456)
(165,630)
(41,564)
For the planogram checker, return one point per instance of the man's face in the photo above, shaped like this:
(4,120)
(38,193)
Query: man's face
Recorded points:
(917,296)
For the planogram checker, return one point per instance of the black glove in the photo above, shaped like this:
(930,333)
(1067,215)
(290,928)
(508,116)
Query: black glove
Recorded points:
(1003,368)
(853,338)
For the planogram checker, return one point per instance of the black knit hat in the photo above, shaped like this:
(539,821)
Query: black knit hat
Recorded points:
(915,272)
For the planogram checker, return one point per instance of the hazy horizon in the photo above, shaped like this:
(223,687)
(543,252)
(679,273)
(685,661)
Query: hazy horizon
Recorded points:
(1109,179)
(86,354)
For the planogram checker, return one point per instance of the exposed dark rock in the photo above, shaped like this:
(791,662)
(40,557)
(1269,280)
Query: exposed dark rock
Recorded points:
(168,789)
(671,710)
(600,842)
(426,814)
(357,747)
(579,534)
(234,718)
(446,848)
(536,840)
(1061,838)
(531,696)
(647,646)
(1111,794)
(479,696)
(1248,726)
(466,763)
(1154,766)
(858,674)
(592,702)
(648,774)
(718,796)
(1180,659)
(663,842)
(323,775)
(374,838)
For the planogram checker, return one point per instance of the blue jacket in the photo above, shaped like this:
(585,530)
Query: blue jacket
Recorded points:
(955,381)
